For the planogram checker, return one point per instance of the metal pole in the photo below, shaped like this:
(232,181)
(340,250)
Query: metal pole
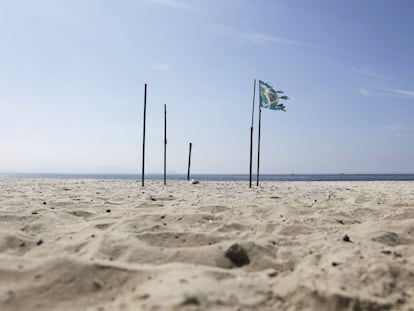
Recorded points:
(143,136)
(251,137)
(165,144)
(189,162)
(258,147)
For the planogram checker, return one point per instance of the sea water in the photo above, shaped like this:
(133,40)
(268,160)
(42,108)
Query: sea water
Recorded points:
(228,177)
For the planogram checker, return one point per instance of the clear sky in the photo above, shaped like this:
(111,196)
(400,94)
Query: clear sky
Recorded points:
(72,76)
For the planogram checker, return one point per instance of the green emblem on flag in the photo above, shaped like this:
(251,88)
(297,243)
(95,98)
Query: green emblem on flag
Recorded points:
(269,98)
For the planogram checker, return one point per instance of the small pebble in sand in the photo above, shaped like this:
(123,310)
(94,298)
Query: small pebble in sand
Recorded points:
(108,210)
(34,213)
(237,255)
(39,242)
(44,203)
(346,238)
(272,273)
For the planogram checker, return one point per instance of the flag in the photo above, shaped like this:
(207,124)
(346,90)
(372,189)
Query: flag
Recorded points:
(269,98)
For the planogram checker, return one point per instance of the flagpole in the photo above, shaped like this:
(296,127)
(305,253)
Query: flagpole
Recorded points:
(165,144)
(189,161)
(258,146)
(251,137)
(270,101)
(143,136)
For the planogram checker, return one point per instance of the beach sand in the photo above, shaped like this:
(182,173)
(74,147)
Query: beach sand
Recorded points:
(68,244)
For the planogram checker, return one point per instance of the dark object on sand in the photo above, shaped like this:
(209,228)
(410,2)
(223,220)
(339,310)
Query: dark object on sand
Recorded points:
(237,255)
(346,238)
(192,300)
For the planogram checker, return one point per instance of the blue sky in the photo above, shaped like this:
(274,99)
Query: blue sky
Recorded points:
(72,77)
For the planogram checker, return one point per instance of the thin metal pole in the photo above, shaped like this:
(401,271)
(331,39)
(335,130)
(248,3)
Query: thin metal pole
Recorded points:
(251,156)
(254,95)
(258,147)
(189,162)
(143,136)
(165,144)
(251,138)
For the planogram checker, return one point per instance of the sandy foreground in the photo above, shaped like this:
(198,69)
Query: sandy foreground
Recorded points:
(113,245)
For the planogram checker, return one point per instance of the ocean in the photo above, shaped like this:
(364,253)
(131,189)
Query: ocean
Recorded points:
(229,177)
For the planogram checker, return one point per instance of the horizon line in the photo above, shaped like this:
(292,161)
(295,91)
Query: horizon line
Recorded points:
(161,174)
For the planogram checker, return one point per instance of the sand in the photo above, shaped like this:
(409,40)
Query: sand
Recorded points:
(69,244)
